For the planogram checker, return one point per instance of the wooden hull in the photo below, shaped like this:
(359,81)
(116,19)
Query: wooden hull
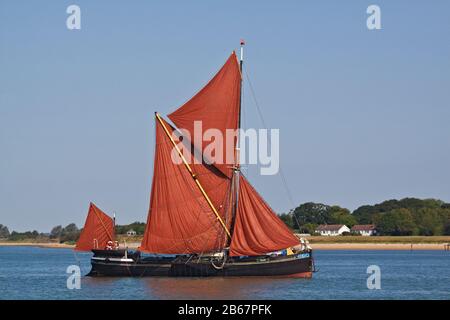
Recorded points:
(299,265)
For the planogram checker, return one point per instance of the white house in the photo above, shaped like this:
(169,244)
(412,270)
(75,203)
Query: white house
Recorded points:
(364,229)
(332,229)
(131,233)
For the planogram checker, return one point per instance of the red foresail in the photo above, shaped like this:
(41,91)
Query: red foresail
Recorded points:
(257,229)
(216,106)
(98,230)
(180,219)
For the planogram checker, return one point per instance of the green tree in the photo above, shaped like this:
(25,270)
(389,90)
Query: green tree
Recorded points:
(429,216)
(367,214)
(447,228)
(56,232)
(340,215)
(70,233)
(415,204)
(71,228)
(308,228)
(364,214)
(397,222)
(21,236)
(287,219)
(4,232)
(312,213)
(429,221)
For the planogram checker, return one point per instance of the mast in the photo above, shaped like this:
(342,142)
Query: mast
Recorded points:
(241,62)
(237,167)
(114,223)
(217,105)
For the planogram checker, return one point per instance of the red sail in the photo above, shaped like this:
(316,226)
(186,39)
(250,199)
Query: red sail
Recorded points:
(217,107)
(258,230)
(180,220)
(98,230)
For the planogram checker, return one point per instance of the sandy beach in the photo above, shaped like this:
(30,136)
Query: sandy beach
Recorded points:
(36,244)
(315,246)
(378,246)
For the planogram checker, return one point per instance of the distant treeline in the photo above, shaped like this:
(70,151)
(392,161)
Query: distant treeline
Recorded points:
(67,234)
(70,233)
(139,227)
(406,217)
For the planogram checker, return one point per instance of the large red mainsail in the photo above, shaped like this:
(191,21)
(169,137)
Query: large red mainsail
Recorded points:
(180,219)
(98,230)
(217,107)
(258,230)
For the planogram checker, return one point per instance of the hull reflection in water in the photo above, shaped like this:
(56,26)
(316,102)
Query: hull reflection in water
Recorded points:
(223,288)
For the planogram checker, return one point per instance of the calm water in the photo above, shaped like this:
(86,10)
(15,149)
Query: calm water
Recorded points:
(40,273)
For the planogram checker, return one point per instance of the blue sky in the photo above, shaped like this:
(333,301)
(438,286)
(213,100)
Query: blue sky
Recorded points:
(363,115)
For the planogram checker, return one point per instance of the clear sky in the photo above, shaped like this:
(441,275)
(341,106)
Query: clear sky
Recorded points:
(364,116)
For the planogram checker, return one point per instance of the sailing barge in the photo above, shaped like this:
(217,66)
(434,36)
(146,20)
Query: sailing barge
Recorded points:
(205,218)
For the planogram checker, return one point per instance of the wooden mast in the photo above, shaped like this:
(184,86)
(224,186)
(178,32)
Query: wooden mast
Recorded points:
(237,166)
(193,175)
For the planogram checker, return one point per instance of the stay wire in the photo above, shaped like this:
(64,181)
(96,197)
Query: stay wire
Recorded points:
(283,177)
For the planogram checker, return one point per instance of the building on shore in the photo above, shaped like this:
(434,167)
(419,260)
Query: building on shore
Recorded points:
(364,229)
(332,229)
(131,233)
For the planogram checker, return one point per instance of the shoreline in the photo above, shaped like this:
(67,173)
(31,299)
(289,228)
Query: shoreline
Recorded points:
(37,244)
(315,246)
(379,246)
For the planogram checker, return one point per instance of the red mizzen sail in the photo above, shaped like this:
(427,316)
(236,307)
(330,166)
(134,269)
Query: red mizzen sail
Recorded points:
(217,107)
(180,219)
(258,230)
(98,230)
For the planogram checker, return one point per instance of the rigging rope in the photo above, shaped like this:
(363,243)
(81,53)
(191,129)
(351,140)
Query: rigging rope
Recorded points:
(283,177)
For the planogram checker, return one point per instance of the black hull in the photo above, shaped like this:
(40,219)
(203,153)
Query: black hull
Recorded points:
(298,265)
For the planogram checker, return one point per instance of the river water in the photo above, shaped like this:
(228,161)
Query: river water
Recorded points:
(40,273)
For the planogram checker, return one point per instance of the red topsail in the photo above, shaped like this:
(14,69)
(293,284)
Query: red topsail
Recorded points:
(217,107)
